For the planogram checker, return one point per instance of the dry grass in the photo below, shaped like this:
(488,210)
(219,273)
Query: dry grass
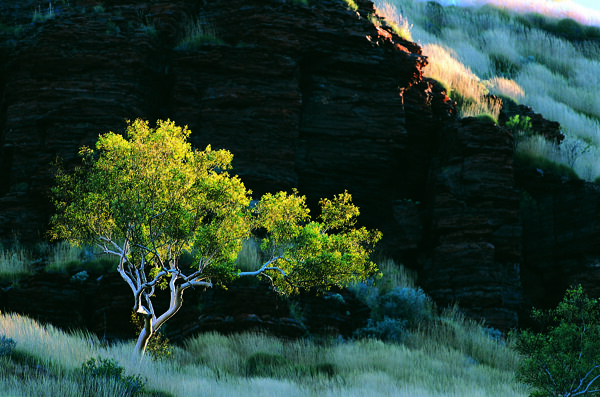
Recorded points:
(15,263)
(394,18)
(449,356)
(473,50)
(455,358)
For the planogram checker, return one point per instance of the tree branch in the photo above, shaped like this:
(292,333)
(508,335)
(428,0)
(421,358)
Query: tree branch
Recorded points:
(265,267)
(589,384)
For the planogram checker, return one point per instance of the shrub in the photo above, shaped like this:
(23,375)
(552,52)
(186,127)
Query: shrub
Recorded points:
(516,123)
(388,330)
(570,28)
(111,370)
(7,345)
(159,346)
(562,358)
(409,304)
(520,127)
(395,312)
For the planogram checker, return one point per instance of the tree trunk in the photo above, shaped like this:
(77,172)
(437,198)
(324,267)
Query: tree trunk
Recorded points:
(144,337)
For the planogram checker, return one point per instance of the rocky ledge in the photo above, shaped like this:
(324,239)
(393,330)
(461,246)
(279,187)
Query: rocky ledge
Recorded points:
(315,96)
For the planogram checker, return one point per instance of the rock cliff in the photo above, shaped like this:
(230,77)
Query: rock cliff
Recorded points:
(311,95)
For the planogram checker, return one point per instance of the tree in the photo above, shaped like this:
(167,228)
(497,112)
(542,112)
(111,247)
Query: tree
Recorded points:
(149,197)
(562,359)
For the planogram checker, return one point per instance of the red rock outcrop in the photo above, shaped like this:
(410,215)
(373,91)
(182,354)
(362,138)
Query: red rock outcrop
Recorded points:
(308,96)
(474,246)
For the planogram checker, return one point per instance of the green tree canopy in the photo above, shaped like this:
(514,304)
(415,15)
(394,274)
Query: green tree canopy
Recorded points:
(563,358)
(147,197)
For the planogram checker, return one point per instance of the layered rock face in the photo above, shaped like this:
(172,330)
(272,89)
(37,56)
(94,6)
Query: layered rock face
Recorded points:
(102,304)
(306,97)
(314,97)
(475,238)
(561,239)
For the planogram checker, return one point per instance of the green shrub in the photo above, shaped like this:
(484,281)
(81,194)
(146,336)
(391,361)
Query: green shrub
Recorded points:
(562,358)
(387,330)
(409,304)
(7,346)
(111,370)
(518,123)
(396,311)
(570,29)
(159,346)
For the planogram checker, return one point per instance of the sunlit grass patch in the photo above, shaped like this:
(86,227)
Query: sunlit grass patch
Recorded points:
(536,152)
(249,258)
(15,263)
(504,87)
(522,57)
(393,18)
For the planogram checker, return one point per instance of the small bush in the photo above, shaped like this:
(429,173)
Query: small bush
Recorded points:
(7,345)
(110,369)
(387,330)
(562,358)
(159,346)
(518,123)
(409,304)
(570,29)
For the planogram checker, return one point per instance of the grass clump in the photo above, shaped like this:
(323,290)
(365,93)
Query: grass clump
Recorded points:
(397,305)
(538,161)
(197,33)
(40,15)
(109,369)
(268,365)
(15,263)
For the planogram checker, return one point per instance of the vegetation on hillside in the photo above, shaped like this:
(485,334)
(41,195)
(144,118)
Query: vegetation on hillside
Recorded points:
(552,65)
(437,355)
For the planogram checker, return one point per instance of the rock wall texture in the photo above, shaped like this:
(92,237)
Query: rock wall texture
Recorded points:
(102,305)
(315,97)
(475,236)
